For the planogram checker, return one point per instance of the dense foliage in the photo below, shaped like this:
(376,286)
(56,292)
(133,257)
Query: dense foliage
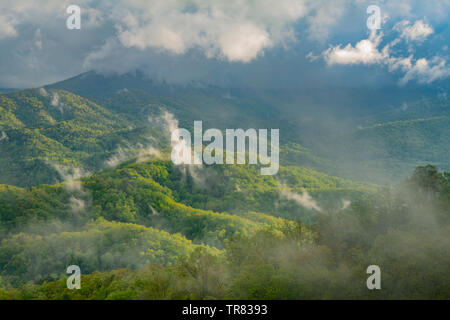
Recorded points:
(140,227)
(404,230)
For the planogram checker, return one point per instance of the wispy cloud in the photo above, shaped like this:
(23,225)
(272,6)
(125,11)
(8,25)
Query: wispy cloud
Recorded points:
(418,31)
(160,36)
(71,176)
(7,26)
(345,204)
(304,199)
(4,136)
(370,52)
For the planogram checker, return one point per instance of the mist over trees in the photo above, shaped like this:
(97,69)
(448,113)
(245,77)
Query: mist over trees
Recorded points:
(87,182)
(404,230)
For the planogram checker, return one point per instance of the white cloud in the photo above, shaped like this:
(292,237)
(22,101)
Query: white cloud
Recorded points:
(324,16)
(140,152)
(368,52)
(426,71)
(7,28)
(364,52)
(419,31)
(125,35)
(235,30)
(243,43)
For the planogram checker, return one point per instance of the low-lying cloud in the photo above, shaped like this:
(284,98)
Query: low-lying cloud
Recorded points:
(304,199)
(71,176)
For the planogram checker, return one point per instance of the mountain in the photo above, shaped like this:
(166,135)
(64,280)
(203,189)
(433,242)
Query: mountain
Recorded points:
(7,90)
(386,146)
(86,120)
(417,139)
(130,94)
(86,180)
(326,127)
(93,84)
(43,128)
(420,109)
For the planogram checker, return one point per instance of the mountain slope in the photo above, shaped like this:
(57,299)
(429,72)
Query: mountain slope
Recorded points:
(406,228)
(40,128)
(421,109)
(116,218)
(333,144)
(420,139)
(134,94)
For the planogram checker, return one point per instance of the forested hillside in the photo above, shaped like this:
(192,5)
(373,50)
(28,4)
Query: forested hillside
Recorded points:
(42,129)
(224,150)
(152,212)
(86,180)
(408,140)
(385,147)
(420,109)
(404,230)
(383,144)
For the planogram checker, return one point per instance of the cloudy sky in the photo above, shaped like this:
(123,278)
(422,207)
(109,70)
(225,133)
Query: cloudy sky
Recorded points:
(285,43)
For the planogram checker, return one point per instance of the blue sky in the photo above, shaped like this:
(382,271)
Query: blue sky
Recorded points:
(264,43)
